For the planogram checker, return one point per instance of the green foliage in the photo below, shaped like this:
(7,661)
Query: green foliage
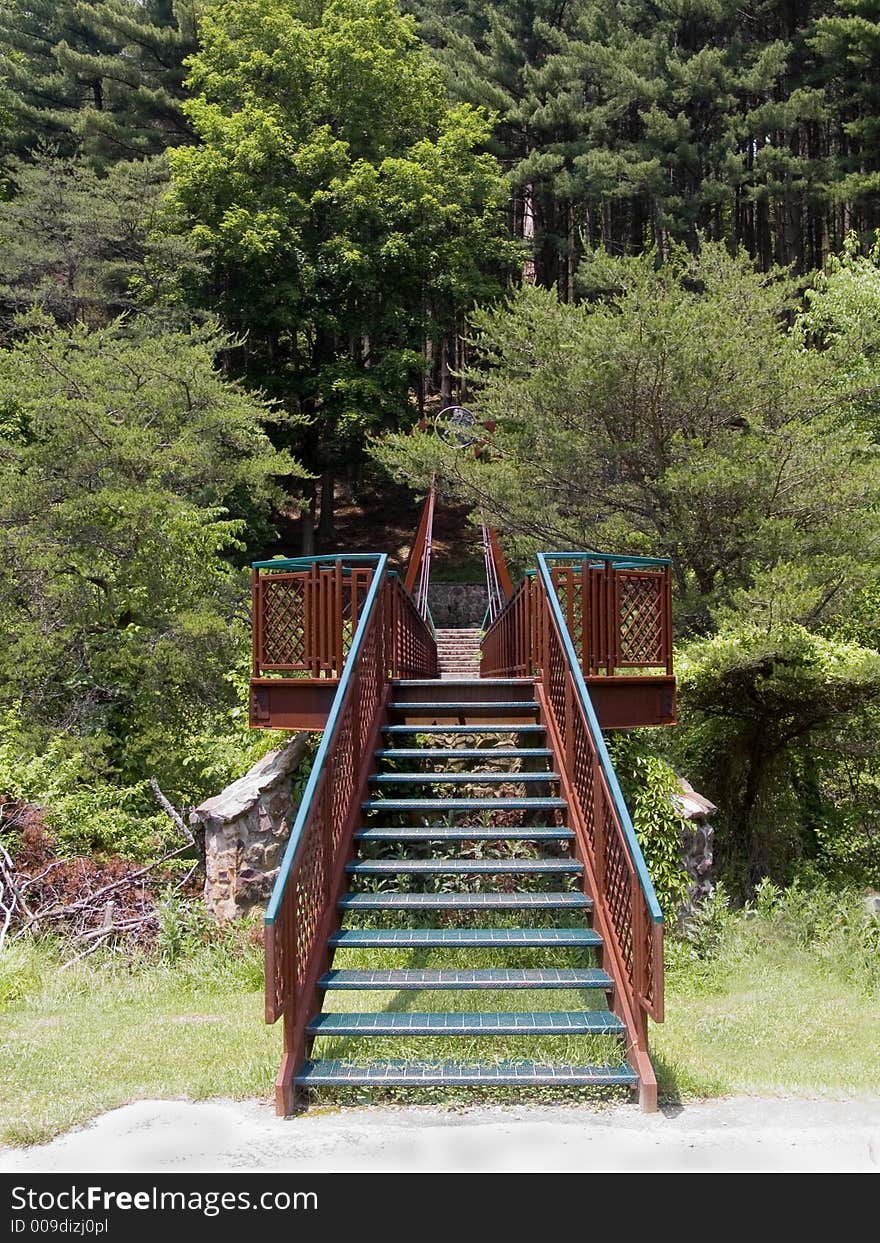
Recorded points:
(84,247)
(122,606)
(650,785)
(669,413)
(104,78)
(629,125)
(347,210)
(759,706)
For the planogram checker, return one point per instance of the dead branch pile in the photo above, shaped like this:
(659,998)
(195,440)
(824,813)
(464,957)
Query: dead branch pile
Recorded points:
(89,902)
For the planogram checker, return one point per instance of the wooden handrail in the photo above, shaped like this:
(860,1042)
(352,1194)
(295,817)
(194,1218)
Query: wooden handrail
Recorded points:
(530,637)
(390,640)
(626,912)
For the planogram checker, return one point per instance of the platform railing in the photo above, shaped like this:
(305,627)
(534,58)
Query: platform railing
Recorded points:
(390,639)
(618,612)
(305,613)
(531,637)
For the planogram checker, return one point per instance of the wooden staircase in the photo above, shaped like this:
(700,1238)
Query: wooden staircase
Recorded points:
(463,901)
(463,852)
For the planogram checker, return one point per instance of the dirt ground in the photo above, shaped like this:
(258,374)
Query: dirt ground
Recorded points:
(736,1134)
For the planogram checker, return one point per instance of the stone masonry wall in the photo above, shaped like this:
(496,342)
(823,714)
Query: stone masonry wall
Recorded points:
(246,829)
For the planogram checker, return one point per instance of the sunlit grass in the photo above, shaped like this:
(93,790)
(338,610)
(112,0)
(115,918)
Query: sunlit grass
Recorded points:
(771,1013)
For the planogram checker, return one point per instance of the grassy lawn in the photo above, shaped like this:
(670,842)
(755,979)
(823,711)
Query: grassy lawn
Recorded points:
(777,1009)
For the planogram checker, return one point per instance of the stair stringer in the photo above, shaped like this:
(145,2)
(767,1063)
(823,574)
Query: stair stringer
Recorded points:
(297,1042)
(636,1022)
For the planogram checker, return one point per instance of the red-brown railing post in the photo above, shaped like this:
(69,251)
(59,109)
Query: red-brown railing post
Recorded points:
(256,624)
(667,616)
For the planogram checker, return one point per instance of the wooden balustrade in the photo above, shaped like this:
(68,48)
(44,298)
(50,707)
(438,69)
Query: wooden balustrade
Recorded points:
(390,639)
(531,637)
(619,617)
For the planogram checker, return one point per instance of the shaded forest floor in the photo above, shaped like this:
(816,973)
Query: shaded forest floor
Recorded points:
(383,517)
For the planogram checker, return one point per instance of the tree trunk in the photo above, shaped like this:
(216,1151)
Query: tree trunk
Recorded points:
(445,373)
(307,542)
(326,527)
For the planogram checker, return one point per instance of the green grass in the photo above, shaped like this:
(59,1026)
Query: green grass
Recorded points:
(78,1042)
(785,1003)
(771,1015)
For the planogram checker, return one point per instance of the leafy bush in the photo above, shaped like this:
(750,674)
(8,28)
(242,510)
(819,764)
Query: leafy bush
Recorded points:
(649,783)
(762,708)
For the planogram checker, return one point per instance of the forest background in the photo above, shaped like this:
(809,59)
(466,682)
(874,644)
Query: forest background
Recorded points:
(246,245)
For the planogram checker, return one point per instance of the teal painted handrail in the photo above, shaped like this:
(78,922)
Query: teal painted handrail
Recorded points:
(610,558)
(381,561)
(299,563)
(629,833)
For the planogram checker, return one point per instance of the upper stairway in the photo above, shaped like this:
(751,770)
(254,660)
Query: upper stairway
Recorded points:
(458,652)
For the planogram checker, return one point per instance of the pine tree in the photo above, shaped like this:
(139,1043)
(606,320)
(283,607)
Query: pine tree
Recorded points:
(103,78)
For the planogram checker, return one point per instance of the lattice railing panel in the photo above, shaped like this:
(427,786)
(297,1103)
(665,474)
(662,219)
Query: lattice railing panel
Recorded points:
(283,622)
(640,619)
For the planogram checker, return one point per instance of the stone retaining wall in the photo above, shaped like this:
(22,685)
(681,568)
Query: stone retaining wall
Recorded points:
(246,829)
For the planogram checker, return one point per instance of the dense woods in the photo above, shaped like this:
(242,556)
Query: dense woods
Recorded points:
(246,244)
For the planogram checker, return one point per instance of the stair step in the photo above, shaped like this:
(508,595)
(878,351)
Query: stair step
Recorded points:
(472,938)
(465,902)
(416,778)
(502,1023)
(464,753)
(464,867)
(489,683)
(494,706)
(501,978)
(450,806)
(464,729)
(438,1074)
(466,833)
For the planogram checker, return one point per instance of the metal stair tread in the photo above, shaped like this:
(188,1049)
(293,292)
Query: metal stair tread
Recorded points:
(477,705)
(474,938)
(464,729)
(489,683)
(452,805)
(466,778)
(466,833)
(463,1023)
(404,901)
(392,1072)
(464,753)
(464,867)
(396,979)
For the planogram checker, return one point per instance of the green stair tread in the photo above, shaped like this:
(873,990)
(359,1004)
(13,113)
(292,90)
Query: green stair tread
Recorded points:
(464,867)
(392,1072)
(476,705)
(464,778)
(492,1023)
(452,805)
(465,901)
(489,683)
(495,978)
(465,938)
(466,833)
(464,729)
(464,753)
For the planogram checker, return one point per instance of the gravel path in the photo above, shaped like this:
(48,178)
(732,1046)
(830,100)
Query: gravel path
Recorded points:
(736,1134)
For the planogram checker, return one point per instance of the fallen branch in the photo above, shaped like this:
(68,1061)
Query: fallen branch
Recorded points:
(171,812)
